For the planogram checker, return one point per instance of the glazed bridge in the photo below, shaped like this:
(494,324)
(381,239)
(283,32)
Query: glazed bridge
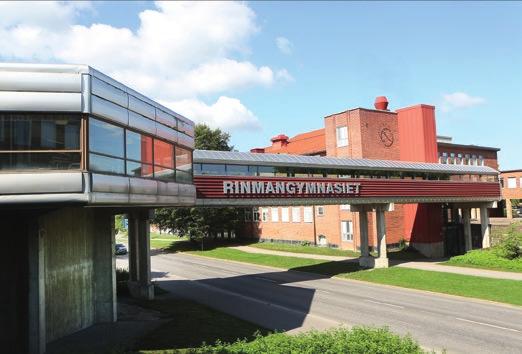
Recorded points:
(246,179)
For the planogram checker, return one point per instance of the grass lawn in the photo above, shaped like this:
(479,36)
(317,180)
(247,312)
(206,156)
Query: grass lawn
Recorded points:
(327,251)
(200,324)
(486,259)
(507,291)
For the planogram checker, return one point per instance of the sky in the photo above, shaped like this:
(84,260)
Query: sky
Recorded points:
(258,69)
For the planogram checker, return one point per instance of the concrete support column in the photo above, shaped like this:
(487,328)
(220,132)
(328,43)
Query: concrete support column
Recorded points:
(142,287)
(133,247)
(36,312)
(382,260)
(509,209)
(104,268)
(365,260)
(484,225)
(466,216)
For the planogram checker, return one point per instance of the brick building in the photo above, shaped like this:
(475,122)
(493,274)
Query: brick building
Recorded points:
(512,191)
(407,134)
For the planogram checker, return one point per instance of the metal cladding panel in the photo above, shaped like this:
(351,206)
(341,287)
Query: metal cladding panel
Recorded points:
(185,140)
(143,199)
(40,101)
(40,82)
(186,128)
(141,107)
(163,199)
(139,122)
(167,188)
(109,92)
(44,198)
(166,133)
(143,186)
(109,198)
(109,110)
(187,190)
(212,187)
(109,184)
(166,118)
(30,183)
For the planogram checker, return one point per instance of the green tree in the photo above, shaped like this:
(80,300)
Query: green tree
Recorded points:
(200,223)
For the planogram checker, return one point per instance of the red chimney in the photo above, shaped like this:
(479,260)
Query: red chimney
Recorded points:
(279,141)
(381,103)
(257,150)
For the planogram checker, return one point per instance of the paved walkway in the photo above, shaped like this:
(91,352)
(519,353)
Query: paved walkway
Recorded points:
(423,265)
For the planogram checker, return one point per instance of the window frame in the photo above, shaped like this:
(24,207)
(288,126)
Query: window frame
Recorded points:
(341,142)
(347,236)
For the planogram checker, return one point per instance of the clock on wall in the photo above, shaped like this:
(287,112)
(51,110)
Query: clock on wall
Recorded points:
(386,136)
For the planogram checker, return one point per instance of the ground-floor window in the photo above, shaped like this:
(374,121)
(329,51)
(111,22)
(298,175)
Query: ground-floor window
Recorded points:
(264,215)
(285,215)
(255,215)
(347,230)
(296,214)
(308,214)
(275,215)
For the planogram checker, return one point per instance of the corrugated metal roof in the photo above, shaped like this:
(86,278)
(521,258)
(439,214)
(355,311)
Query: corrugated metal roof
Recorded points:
(246,158)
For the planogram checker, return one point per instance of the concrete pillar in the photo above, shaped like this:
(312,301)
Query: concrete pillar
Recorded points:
(365,260)
(484,225)
(466,216)
(36,312)
(509,209)
(104,268)
(133,247)
(382,260)
(142,287)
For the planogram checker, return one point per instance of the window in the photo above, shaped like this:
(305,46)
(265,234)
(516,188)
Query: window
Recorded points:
(163,160)
(212,169)
(444,158)
(265,171)
(520,182)
(183,165)
(347,230)
(237,170)
(344,207)
(481,160)
(466,159)
(106,147)
(512,182)
(285,216)
(139,155)
(320,211)
(248,215)
(473,160)
(458,161)
(255,214)
(264,215)
(342,136)
(296,214)
(308,214)
(452,158)
(275,214)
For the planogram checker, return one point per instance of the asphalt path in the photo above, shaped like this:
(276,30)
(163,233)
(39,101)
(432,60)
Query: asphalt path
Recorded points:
(296,301)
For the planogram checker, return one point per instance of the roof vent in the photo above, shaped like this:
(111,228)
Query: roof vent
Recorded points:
(280,137)
(381,103)
(257,150)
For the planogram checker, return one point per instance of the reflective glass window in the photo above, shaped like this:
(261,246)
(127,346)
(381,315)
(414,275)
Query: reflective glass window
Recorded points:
(183,159)
(213,169)
(139,147)
(183,176)
(40,160)
(138,169)
(105,138)
(163,173)
(237,170)
(163,154)
(39,131)
(101,163)
(267,171)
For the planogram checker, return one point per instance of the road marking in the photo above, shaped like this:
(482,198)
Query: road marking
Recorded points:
(265,279)
(385,304)
(487,324)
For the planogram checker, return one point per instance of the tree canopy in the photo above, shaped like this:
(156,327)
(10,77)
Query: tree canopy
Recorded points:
(198,223)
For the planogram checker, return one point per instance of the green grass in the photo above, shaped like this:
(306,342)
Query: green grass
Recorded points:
(500,290)
(200,324)
(486,259)
(326,251)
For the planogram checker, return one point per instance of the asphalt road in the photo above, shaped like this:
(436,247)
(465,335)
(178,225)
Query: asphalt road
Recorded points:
(294,301)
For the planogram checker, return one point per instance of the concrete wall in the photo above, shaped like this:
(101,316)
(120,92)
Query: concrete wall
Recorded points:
(79,271)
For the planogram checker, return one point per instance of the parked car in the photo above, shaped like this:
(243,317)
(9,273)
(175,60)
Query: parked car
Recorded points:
(120,248)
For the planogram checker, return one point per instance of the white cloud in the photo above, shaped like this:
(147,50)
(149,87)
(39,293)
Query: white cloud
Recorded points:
(457,100)
(284,45)
(226,113)
(180,51)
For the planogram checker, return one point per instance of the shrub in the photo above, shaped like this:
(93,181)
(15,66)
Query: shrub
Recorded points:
(510,247)
(305,243)
(341,340)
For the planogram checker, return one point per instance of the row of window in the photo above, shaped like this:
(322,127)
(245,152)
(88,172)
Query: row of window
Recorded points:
(294,215)
(461,159)
(113,149)
(512,182)
(270,171)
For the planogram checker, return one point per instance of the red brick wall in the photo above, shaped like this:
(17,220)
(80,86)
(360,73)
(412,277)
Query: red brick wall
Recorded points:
(490,156)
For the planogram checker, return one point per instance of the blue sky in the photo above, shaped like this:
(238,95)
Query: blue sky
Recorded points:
(224,65)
